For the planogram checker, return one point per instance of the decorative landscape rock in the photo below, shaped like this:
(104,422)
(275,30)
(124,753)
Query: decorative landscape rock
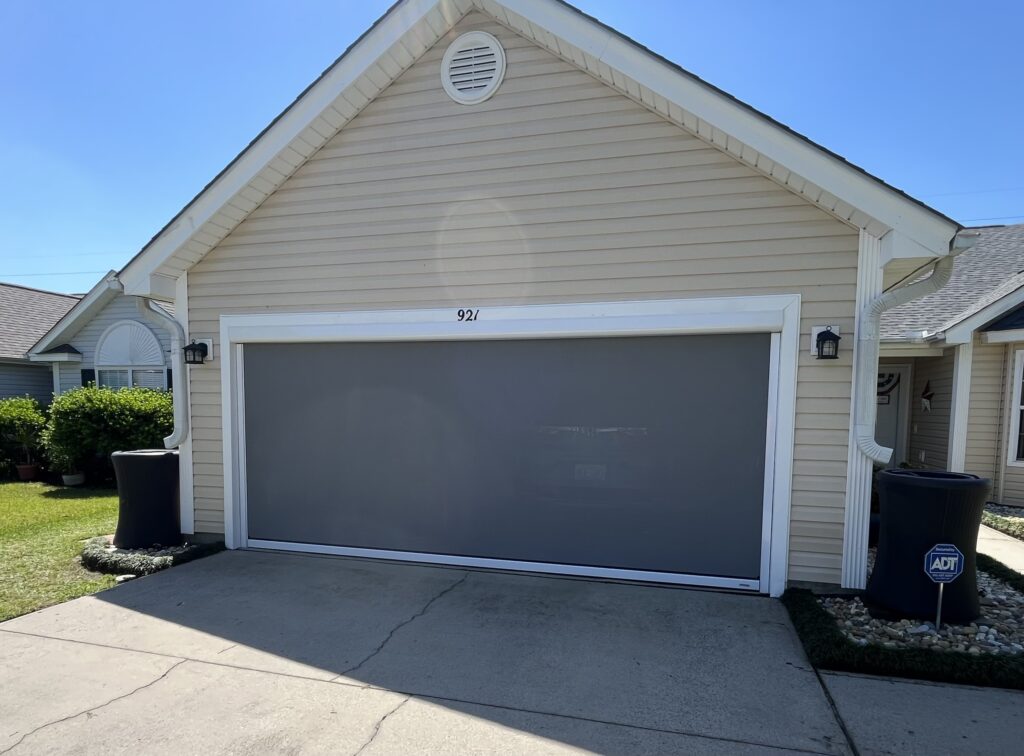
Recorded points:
(100,555)
(999,630)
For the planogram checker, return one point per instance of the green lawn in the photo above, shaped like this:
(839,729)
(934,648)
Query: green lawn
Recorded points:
(41,532)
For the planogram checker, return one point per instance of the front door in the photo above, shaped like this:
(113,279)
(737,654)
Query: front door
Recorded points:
(892,397)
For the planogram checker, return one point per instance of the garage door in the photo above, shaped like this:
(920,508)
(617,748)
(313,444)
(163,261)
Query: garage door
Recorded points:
(629,453)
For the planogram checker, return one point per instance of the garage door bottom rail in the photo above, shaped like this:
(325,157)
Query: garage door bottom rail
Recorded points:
(610,573)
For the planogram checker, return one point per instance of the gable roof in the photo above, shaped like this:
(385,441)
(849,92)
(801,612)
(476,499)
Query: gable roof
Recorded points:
(53,340)
(26,314)
(410,27)
(983,275)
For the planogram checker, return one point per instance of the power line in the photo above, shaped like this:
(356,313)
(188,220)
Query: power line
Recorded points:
(976,191)
(61,273)
(999,217)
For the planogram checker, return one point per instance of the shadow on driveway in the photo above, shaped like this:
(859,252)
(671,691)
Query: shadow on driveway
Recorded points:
(600,666)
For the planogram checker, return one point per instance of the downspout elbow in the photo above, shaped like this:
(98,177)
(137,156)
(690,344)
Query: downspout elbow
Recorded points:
(153,313)
(864,430)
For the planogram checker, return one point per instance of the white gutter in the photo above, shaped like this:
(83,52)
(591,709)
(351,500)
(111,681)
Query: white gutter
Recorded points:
(155,314)
(866,380)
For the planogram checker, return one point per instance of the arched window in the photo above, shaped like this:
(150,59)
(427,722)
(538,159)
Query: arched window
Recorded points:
(129,354)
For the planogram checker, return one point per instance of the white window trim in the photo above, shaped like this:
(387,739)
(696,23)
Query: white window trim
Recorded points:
(778,315)
(130,369)
(1015,407)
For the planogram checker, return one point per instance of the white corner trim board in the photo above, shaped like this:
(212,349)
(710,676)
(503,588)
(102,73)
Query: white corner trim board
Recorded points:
(186,493)
(963,358)
(778,315)
(1013,405)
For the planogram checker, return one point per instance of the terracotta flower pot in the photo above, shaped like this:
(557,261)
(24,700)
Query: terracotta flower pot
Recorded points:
(27,472)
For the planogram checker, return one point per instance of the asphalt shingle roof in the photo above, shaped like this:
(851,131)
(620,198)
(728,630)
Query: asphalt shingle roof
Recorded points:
(26,314)
(987,272)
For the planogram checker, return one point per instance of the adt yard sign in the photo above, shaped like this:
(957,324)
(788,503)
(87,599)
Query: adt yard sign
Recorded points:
(944,563)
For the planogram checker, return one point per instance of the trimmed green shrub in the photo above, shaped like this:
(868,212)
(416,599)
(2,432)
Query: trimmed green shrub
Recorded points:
(21,425)
(87,424)
(1012,526)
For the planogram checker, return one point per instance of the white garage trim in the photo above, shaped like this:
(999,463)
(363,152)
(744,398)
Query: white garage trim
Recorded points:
(775,314)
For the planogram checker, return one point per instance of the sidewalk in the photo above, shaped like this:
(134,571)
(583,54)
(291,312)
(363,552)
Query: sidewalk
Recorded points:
(1008,550)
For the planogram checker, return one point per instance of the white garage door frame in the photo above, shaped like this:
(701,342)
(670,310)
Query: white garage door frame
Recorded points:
(778,315)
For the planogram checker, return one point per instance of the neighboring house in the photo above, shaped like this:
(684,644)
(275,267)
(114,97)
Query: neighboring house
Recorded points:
(103,339)
(951,371)
(25,315)
(505,289)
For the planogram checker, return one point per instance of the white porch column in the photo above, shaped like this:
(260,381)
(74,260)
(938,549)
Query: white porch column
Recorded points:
(859,469)
(963,358)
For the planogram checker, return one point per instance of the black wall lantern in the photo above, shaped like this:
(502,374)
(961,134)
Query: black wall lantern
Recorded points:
(195,354)
(827,344)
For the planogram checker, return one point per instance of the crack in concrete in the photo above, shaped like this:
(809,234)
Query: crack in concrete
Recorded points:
(93,709)
(402,624)
(380,723)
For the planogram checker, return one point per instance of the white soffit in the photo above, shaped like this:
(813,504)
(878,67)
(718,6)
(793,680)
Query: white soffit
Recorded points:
(411,27)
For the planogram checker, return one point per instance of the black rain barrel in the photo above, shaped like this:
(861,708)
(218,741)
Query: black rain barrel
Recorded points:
(919,509)
(147,487)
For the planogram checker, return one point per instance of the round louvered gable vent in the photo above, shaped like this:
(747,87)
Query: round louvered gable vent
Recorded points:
(473,67)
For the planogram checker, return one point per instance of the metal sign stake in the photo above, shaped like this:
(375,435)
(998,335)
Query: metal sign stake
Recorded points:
(943,564)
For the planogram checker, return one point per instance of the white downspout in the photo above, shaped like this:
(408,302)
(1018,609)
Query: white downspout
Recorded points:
(866,380)
(153,313)
(867,364)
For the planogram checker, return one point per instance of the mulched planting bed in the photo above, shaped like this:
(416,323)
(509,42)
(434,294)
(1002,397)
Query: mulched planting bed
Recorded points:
(100,555)
(838,633)
(1009,520)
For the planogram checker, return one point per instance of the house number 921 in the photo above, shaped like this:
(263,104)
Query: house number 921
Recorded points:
(465,316)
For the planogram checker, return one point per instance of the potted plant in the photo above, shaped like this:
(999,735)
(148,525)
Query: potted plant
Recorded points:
(21,422)
(70,472)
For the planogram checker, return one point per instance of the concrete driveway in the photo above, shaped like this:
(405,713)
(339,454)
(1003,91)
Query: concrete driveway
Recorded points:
(249,652)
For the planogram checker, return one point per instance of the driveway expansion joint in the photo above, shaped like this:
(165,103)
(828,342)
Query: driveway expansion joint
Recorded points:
(387,639)
(834,707)
(93,709)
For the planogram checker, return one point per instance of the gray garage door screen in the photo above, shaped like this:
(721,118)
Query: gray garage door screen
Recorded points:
(643,453)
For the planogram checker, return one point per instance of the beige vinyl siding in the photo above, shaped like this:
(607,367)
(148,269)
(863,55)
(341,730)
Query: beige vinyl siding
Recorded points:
(558,189)
(929,431)
(985,411)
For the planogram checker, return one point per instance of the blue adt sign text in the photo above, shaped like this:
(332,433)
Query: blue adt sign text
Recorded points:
(944,563)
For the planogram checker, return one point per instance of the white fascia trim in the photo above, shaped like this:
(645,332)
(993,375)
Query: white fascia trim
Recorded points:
(97,298)
(775,314)
(55,357)
(1002,337)
(926,233)
(606,573)
(925,228)
(136,276)
(963,332)
(958,416)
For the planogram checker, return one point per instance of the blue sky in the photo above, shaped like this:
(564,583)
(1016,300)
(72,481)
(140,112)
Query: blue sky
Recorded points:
(116,113)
